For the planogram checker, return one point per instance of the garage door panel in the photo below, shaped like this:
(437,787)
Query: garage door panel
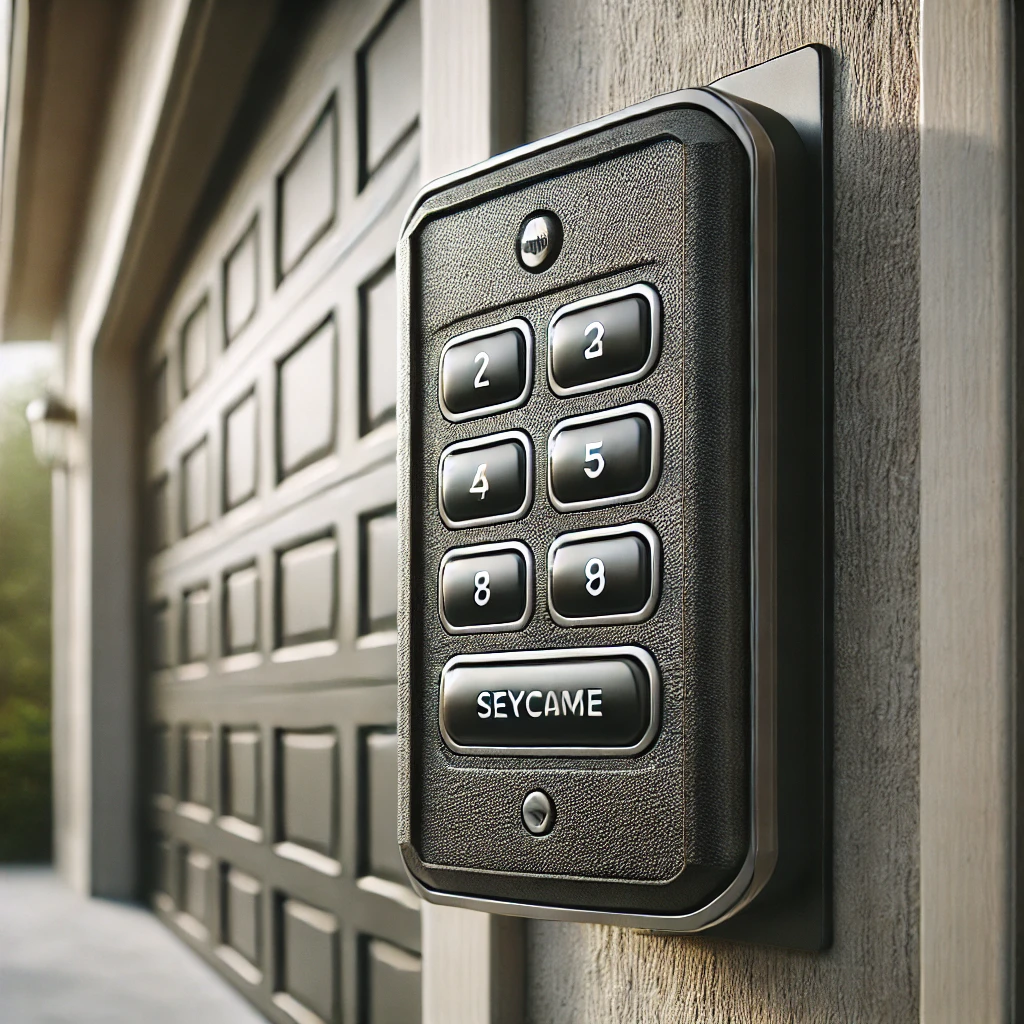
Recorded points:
(242,903)
(390,983)
(307,400)
(241,281)
(270,508)
(307,191)
(240,466)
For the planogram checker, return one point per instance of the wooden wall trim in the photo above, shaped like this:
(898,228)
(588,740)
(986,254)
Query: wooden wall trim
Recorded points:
(473,96)
(968,512)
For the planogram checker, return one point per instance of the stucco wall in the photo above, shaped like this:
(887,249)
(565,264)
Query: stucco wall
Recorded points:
(589,57)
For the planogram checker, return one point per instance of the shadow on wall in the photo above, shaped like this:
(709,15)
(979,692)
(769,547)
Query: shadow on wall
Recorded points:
(25,682)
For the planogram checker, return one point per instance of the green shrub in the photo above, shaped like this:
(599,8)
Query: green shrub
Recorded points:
(25,807)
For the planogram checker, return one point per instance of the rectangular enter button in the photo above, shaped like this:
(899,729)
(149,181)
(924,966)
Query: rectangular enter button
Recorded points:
(601,701)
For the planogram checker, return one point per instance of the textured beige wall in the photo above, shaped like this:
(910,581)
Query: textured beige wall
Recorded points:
(589,57)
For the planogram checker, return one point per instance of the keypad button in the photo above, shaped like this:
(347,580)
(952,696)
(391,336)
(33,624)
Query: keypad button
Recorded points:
(604,458)
(486,588)
(486,480)
(609,339)
(486,371)
(586,701)
(604,576)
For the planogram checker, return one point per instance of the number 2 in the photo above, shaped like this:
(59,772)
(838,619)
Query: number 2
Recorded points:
(595,348)
(594,455)
(480,381)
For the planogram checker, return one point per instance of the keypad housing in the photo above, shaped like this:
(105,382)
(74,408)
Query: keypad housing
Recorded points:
(685,795)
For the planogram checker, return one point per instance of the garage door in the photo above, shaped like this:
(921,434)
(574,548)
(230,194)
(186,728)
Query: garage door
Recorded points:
(271,575)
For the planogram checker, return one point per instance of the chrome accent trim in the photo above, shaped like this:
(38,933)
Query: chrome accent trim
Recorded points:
(482,442)
(560,654)
(654,304)
(481,549)
(619,412)
(653,547)
(518,324)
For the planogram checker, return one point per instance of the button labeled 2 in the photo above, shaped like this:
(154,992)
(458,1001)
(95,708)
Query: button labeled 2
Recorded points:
(605,458)
(486,371)
(600,577)
(487,588)
(486,480)
(604,340)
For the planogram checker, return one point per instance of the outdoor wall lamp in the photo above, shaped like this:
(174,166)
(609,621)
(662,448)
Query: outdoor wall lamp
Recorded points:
(52,423)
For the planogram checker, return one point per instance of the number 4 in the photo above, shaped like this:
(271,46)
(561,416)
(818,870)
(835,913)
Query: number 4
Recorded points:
(480,484)
(594,455)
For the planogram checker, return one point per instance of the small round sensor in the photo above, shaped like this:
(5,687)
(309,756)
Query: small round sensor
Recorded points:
(540,241)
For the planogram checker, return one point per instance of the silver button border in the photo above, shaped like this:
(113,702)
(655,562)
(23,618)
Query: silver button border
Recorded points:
(654,303)
(489,549)
(483,442)
(639,654)
(618,412)
(620,618)
(521,399)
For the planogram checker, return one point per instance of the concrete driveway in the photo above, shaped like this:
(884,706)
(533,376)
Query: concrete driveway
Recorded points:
(68,960)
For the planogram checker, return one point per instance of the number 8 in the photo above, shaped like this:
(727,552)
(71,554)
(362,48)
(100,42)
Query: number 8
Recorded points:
(482,582)
(594,570)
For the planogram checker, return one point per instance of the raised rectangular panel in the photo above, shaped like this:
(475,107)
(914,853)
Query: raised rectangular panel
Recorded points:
(308,957)
(195,488)
(242,898)
(195,878)
(195,347)
(159,402)
(160,630)
(378,330)
(307,400)
(390,984)
(163,867)
(161,759)
(307,592)
(195,640)
(241,282)
(241,442)
(307,787)
(241,610)
(197,765)
(241,774)
(160,513)
(389,85)
(379,804)
(307,191)
(379,584)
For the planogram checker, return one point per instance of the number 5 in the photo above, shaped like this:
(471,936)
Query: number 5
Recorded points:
(594,455)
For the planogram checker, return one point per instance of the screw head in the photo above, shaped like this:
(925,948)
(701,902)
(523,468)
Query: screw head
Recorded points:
(540,241)
(538,813)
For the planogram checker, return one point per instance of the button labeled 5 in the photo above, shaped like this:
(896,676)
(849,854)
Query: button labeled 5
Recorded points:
(486,588)
(605,458)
